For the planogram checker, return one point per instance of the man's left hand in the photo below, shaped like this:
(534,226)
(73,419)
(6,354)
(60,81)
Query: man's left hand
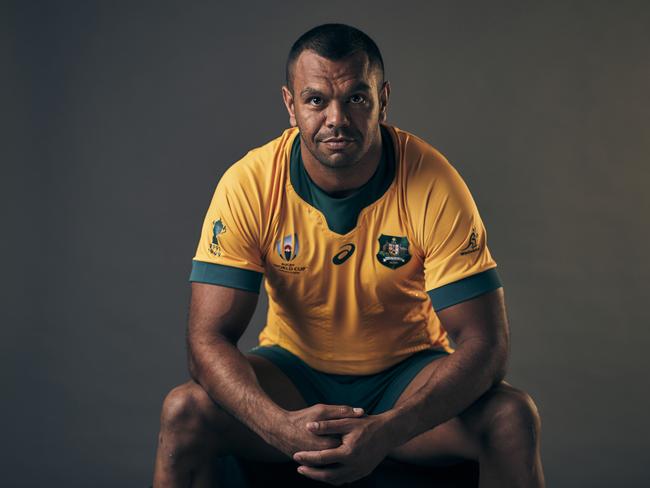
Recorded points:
(364,444)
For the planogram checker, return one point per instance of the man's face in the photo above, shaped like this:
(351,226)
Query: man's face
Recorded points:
(337,105)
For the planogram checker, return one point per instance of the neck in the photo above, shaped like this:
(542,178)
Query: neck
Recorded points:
(340,182)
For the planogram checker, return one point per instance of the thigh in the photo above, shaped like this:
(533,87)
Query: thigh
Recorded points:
(232,437)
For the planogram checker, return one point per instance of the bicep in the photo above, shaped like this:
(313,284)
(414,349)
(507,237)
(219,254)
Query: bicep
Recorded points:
(219,311)
(481,318)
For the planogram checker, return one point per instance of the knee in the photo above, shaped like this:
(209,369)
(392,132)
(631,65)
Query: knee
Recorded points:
(181,410)
(518,412)
(509,417)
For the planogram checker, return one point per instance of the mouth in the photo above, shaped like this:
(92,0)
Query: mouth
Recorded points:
(337,142)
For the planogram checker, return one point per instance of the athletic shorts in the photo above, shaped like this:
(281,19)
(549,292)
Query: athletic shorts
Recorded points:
(375,393)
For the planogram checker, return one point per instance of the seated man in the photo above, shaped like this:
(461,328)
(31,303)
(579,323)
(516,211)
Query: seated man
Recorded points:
(373,251)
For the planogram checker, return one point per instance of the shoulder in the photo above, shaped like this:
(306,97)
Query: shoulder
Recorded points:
(426,172)
(248,191)
(261,165)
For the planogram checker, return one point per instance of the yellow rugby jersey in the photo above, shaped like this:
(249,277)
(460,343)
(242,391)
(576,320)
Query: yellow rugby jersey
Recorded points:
(354,282)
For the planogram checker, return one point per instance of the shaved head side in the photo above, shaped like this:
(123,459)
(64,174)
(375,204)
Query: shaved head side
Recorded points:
(335,42)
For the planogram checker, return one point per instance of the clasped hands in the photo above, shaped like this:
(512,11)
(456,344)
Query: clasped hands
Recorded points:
(336,444)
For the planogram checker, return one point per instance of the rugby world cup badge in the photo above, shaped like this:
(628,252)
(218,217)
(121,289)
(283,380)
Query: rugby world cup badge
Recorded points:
(288,247)
(393,251)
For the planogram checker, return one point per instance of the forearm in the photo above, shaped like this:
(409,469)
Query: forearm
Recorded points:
(456,383)
(229,379)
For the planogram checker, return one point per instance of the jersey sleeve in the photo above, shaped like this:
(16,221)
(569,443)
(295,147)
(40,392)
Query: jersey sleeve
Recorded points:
(228,252)
(458,265)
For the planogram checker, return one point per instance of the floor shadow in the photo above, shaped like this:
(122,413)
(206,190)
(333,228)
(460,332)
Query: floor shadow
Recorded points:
(240,473)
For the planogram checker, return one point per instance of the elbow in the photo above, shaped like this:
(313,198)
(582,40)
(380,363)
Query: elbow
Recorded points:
(501,358)
(192,368)
(492,359)
(192,365)
(199,354)
(500,374)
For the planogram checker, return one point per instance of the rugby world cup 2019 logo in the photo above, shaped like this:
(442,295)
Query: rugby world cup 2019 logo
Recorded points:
(218,228)
(393,251)
(288,247)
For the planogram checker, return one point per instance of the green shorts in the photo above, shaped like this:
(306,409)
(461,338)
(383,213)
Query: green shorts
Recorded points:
(375,393)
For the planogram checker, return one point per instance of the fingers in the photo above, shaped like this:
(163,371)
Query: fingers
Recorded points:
(327,442)
(327,412)
(323,427)
(333,475)
(321,458)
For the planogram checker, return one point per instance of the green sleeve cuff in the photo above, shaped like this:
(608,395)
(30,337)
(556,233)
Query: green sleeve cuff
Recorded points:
(462,290)
(219,274)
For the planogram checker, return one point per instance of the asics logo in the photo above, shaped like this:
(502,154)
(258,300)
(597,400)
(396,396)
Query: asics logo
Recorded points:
(346,251)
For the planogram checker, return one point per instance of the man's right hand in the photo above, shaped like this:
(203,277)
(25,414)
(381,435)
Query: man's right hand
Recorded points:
(294,436)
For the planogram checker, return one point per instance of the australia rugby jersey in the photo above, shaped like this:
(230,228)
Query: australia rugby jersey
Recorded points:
(354,282)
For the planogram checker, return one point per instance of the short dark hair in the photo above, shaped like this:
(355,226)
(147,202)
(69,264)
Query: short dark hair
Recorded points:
(334,41)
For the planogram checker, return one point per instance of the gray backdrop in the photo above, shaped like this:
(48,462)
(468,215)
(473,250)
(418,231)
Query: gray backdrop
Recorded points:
(120,117)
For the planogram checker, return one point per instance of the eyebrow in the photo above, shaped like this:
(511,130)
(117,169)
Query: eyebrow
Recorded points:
(360,86)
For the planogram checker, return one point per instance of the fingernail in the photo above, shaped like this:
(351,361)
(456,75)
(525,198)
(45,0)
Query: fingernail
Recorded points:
(358,410)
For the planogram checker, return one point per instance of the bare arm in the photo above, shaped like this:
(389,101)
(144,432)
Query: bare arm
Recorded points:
(218,317)
(480,329)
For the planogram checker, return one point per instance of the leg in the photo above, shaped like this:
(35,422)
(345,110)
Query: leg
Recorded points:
(500,430)
(194,430)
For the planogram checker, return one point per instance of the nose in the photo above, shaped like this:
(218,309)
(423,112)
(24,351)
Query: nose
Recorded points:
(337,115)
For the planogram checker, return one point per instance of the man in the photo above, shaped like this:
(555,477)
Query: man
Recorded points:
(373,251)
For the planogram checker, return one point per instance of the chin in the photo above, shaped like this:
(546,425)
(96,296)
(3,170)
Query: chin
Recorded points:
(344,162)
(340,159)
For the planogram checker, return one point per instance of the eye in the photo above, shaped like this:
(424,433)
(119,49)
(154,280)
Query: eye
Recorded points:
(315,100)
(357,99)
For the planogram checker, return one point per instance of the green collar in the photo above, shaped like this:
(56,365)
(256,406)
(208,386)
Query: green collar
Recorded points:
(342,213)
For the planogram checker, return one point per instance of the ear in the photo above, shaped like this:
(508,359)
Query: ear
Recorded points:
(287,97)
(384,94)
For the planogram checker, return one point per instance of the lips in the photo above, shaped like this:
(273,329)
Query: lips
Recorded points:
(337,145)
(337,142)
(338,139)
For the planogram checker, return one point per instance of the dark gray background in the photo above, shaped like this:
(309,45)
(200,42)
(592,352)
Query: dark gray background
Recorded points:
(120,117)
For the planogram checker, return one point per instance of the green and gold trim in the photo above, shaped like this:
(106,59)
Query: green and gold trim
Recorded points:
(465,289)
(219,274)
